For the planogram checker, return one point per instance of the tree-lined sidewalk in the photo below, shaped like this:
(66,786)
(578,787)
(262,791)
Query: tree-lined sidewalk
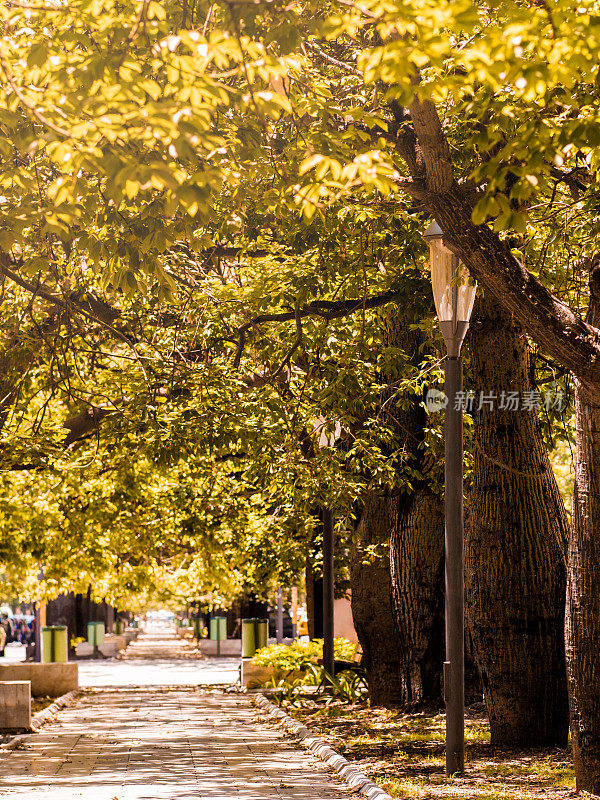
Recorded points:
(146,744)
(159,659)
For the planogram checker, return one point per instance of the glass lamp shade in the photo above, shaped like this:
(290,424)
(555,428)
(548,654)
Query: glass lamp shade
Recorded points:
(453,289)
(327,438)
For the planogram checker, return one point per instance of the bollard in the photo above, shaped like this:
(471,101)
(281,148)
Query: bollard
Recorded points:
(15,705)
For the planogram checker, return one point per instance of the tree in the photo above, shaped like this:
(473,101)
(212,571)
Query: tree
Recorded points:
(416,535)
(532,66)
(221,140)
(372,610)
(514,564)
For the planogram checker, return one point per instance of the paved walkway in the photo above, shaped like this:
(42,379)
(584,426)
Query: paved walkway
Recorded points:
(159,659)
(156,743)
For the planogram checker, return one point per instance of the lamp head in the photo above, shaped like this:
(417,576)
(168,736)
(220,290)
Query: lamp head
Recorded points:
(433,233)
(327,437)
(453,290)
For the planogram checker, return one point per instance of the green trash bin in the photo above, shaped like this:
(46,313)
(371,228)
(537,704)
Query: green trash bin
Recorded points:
(248,637)
(261,633)
(95,633)
(218,628)
(55,644)
(254,635)
(119,626)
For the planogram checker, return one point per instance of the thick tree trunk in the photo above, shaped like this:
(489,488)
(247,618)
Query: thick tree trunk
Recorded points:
(372,610)
(397,557)
(582,628)
(75,611)
(416,544)
(62,611)
(314,601)
(251,606)
(417,568)
(515,576)
(81,614)
(573,343)
(583,599)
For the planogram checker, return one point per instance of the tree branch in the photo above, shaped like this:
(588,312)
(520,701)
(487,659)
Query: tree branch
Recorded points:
(29,106)
(559,331)
(88,420)
(93,308)
(84,423)
(434,147)
(325,309)
(312,45)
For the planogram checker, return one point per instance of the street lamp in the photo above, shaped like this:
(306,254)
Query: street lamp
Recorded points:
(454,295)
(279,628)
(327,439)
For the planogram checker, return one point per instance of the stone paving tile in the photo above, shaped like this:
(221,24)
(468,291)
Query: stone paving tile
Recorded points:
(154,743)
(150,672)
(157,658)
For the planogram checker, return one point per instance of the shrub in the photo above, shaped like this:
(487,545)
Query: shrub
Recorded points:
(300,655)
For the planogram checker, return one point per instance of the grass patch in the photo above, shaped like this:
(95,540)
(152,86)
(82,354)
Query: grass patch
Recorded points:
(404,754)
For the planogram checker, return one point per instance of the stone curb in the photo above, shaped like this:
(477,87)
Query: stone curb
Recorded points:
(44,715)
(319,747)
(40,718)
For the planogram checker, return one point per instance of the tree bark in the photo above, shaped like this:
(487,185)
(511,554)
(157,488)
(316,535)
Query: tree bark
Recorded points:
(575,344)
(62,611)
(314,601)
(82,613)
(417,569)
(372,610)
(417,544)
(416,519)
(517,529)
(397,553)
(582,627)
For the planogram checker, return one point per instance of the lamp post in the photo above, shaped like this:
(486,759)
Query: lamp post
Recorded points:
(279,615)
(40,622)
(294,612)
(328,439)
(454,295)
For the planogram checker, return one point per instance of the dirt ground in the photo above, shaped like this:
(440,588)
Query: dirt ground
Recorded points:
(404,754)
